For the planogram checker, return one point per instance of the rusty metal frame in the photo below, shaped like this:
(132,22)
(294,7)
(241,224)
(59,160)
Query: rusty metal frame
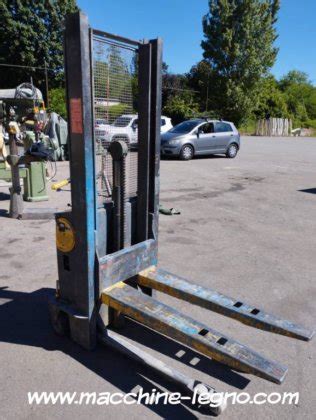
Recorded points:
(168,321)
(178,287)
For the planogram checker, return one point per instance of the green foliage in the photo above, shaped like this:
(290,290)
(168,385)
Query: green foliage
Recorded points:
(180,108)
(271,102)
(199,79)
(293,77)
(300,96)
(248,127)
(112,112)
(238,45)
(57,102)
(31,32)
(114,81)
(310,124)
(117,110)
(112,76)
(173,85)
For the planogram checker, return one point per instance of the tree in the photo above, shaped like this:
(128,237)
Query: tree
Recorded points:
(115,80)
(57,101)
(172,85)
(271,102)
(199,79)
(31,32)
(300,96)
(294,77)
(180,107)
(239,47)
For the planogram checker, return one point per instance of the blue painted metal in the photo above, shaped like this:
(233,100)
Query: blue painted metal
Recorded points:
(178,287)
(126,263)
(77,268)
(186,330)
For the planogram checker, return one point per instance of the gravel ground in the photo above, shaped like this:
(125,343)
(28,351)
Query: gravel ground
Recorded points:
(247,228)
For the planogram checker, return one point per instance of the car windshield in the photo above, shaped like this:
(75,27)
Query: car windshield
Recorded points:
(122,122)
(184,127)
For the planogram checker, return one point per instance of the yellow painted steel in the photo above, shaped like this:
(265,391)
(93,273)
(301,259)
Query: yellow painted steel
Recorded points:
(145,272)
(167,321)
(65,235)
(60,184)
(13,128)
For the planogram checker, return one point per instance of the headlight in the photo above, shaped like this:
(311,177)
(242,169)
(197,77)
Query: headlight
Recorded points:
(174,142)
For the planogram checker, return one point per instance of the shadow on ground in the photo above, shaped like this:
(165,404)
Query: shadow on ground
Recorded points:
(309,191)
(199,157)
(4,196)
(25,321)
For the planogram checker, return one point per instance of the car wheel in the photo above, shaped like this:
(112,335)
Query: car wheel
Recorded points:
(187,152)
(232,151)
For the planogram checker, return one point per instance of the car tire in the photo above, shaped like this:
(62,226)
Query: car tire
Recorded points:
(232,151)
(187,152)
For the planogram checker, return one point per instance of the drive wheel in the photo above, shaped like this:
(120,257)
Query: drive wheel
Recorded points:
(232,151)
(187,152)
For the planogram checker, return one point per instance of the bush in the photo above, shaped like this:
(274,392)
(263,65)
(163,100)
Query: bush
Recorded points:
(57,102)
(310,124)
(111,112)
(180,108)
(249,127)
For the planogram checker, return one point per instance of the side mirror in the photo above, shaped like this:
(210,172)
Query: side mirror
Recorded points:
(197,132)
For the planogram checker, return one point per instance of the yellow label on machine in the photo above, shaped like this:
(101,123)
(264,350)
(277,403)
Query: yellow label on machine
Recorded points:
(65,235)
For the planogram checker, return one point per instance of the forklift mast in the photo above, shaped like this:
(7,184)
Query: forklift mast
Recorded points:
(107,74)
(107,244)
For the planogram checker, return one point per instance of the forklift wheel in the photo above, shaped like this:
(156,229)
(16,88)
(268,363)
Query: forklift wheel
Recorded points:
(61,324)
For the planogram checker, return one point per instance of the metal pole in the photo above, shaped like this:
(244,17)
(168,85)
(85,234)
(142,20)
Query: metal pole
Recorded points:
(16,202)
(207,92)
(46,82)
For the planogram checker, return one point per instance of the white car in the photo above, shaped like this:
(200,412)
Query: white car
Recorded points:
(125,127)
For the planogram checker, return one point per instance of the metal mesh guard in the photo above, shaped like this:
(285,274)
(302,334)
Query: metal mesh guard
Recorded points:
(115,91)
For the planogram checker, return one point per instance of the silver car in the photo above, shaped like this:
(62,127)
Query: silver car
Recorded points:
(201,137)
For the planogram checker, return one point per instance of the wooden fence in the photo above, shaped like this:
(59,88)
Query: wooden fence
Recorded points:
(274,127)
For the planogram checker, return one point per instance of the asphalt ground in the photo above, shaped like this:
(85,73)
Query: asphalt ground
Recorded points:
(247,229)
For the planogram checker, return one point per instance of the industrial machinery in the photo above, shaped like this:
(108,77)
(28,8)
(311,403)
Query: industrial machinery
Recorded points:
(3,151)
(29,106)
(21,106)
(56,136)
(33,129)
(25,99)
(107,244)
(29,167)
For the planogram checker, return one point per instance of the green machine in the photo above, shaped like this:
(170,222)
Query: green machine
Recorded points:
(35,181)
(33,172)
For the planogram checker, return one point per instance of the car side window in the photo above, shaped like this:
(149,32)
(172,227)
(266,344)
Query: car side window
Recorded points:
(221,127)
(135,123)
(163,122)
(207,128)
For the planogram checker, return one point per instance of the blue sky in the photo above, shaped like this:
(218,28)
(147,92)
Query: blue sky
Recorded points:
(178,22)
